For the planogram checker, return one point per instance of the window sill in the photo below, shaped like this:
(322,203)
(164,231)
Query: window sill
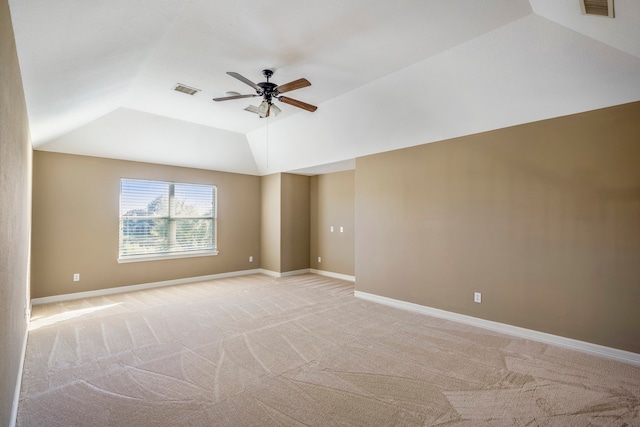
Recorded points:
(159,257)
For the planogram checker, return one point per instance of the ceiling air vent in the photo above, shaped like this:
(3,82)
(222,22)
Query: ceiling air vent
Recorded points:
(597,7)
(186,89)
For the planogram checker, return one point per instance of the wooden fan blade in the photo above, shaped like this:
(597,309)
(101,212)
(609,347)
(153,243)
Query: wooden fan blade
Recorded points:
(228,98)
(298,104)
(244,80)
(296,84)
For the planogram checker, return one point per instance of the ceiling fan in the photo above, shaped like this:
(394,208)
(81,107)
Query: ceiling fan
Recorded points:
(269,91)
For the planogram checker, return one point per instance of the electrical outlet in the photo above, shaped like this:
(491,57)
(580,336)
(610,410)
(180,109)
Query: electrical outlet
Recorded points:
(331,228)
(76,277)
(319,259)
(250,259)
(342,229)
(477,297)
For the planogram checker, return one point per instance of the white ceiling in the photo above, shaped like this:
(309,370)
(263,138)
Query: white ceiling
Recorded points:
(98,76)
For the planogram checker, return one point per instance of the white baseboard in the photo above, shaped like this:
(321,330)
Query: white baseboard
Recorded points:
(285,274)
(294,273)
(120,289)
(16,393)
(333,275)
(598,350)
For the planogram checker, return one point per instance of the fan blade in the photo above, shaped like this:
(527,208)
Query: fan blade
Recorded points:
(296,84)
(245,80)
(298,104)
(228,98)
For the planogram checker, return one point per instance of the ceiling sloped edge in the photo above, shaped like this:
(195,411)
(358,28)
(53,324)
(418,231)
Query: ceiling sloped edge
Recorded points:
(80,59)
(529,70)
(126,134)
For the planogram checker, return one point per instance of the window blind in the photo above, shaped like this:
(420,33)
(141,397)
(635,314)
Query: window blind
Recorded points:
(168,218)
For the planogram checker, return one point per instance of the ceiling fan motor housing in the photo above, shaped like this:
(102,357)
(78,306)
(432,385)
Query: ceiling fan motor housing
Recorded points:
(268,89)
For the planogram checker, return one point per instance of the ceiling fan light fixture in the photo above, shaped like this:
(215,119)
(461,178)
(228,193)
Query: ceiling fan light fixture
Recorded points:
(263,109)
(252,109)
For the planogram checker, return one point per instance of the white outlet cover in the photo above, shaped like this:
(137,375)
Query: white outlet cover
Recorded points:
(477,297)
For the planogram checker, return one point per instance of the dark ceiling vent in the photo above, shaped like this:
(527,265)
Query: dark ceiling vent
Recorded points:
(597,7)
(186,89)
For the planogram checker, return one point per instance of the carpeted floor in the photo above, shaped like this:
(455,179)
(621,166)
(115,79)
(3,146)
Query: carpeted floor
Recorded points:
(302,350)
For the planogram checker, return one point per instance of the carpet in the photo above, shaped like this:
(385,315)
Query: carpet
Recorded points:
(300,350)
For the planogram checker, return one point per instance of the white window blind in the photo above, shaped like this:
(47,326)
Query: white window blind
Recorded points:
(166,219)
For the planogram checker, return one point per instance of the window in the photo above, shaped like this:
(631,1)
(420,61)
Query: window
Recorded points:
(166,220)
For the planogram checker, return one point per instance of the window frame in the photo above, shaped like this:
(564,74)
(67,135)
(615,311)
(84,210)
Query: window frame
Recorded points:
(171,218)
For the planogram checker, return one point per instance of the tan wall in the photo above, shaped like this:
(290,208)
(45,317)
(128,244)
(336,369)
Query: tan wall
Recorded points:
(270,222)
(285,222)
(294,222)
(15,215)
(543,219)
(75,224)
(333,204)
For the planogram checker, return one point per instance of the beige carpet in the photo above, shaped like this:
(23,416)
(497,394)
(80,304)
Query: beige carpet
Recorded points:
(258,351)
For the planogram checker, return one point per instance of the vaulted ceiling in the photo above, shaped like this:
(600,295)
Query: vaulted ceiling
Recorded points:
(99,75)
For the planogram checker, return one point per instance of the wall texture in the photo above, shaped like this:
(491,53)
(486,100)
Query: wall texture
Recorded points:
(15,215)
(333,204)
(270,222)
(294,222)
(75,224)
(285,222)
(542,218)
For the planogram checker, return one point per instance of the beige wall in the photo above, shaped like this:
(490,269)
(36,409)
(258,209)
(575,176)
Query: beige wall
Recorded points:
(294,222)
(333,204)
(285,222)
(270,222)
(75,224)
(15,215)
(543,219)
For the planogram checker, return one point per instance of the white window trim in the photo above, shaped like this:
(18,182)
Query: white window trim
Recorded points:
(157,257)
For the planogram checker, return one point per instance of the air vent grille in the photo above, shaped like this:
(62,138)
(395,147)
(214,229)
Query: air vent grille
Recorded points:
(597,7)
(186,89)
